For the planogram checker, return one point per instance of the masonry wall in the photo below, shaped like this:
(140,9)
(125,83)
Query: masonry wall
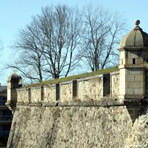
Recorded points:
(71,127)
(82,113)
(138,137)
(81,127)
(135,82)
(133,85)
(98,89)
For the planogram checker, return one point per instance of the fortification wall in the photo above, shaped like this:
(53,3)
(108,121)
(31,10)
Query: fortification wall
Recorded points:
(71,127)
(83,113)
(77,127)
(138,137)
(100,89)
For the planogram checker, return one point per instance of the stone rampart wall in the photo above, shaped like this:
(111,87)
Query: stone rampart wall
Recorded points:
(70,127)
(77,127)
(97,89)
(83,113)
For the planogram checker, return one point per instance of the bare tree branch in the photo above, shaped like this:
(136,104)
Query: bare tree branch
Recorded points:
(100,37)
(49,44)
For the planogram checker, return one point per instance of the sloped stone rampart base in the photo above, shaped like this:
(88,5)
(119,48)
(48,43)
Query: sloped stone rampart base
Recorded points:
(70,127)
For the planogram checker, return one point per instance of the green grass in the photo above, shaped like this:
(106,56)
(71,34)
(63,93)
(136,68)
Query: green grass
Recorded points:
(74,77)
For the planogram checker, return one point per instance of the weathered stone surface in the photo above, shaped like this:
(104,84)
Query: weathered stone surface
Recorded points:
(70,127)
(22,96)
(132,82)
(115,85)
(138,138)
(66,92)
(35,91)
(86,90)
(49,93)
(90,89)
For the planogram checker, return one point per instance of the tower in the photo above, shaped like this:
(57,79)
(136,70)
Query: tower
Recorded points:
(134,64)
(14,82)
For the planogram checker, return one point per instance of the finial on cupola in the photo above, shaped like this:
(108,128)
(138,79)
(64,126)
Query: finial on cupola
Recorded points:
(137,22)
(137,27)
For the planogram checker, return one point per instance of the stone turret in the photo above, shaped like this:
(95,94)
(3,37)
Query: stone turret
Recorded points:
(14,82)
(134,64)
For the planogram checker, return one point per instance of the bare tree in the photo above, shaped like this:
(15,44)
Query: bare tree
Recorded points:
(63,36)
(48,46)
(100,38)
(30,61)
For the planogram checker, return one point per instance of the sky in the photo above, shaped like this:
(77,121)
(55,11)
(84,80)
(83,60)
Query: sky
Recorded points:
(16,14)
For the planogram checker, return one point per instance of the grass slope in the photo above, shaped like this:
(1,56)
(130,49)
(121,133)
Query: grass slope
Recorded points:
(74,77)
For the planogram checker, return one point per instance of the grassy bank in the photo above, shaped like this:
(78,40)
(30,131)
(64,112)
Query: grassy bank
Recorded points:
(69,78)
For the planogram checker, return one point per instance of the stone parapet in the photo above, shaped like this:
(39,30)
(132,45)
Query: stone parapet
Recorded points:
(97,90)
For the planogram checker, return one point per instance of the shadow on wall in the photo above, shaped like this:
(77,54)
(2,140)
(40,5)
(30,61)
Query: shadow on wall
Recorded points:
(136,108)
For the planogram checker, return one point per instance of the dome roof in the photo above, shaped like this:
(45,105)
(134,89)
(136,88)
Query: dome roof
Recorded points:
(136,38)
(14,77)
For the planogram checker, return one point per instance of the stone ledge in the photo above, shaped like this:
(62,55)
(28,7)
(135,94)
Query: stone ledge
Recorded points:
(103,103)
(134,97)
(50,104)
(76,104)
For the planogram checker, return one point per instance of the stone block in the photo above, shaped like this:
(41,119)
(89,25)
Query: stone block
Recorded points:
(138,91)
(135,72)
(122,55)
(135,84)
(129,91)
(139,77)
(130,78)
(139,61)
(129,61)
(122,71)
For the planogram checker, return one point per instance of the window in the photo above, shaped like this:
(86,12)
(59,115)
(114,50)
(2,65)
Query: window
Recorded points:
(134,61)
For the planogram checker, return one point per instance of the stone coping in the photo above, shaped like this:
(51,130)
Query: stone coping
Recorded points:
(62,104)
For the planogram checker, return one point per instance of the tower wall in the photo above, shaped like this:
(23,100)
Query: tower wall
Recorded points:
(132,83)
(122,84)
(135,83)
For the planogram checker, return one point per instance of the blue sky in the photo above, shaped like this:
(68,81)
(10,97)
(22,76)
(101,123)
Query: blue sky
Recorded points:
(15,14)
